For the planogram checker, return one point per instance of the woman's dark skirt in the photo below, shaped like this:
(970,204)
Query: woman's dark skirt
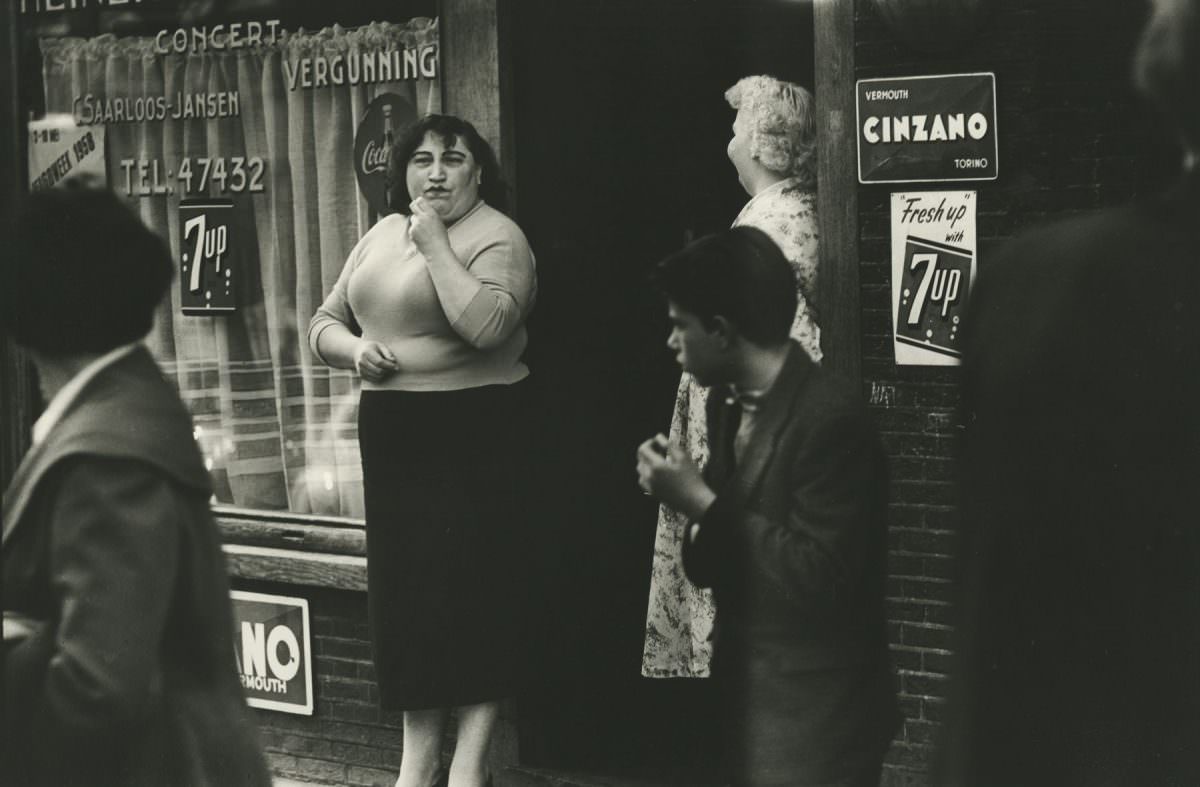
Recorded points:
(441,472)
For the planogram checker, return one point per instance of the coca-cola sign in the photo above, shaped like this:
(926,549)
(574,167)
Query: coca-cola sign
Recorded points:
(374,157)
(382,124)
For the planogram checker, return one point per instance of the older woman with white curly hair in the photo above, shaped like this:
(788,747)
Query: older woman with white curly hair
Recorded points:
(774,152)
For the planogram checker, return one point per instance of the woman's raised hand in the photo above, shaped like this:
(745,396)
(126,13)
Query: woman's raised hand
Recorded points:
(373,360)
(426,229)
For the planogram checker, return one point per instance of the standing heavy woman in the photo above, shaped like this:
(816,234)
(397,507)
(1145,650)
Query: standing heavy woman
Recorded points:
(774,152)
(441,291)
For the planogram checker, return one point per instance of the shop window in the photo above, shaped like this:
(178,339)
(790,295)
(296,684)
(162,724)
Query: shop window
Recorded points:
(249,136)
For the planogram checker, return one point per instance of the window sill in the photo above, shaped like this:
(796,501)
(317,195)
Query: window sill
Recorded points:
(294,550)
(294,567)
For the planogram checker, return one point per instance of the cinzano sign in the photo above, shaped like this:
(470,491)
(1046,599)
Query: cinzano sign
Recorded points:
(274,655)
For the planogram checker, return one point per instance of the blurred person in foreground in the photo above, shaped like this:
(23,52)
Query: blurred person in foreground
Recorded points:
(774,152)
(441,289)
(119,664)
(1079,645)
(787,524)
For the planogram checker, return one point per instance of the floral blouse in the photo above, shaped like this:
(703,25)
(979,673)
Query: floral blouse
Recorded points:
(679,619)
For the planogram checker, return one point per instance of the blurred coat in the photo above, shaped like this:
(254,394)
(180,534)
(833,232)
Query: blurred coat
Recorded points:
(1079,641)
(108,541)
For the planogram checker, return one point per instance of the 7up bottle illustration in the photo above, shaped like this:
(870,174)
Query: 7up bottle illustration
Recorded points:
(207,262)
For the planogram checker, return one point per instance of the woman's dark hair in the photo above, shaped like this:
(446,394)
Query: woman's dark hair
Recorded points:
(449,129)
(83,274)
(739,274)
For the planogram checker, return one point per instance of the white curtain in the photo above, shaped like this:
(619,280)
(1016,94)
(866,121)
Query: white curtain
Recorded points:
(277,427)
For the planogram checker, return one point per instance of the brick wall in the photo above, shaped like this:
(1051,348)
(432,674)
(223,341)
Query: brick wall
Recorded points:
(1072,138)
(348,740)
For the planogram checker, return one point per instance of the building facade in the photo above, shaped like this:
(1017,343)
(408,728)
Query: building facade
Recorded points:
(611,127)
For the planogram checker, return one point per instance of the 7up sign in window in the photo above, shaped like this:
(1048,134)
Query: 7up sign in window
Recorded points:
(207,260)
(933,267)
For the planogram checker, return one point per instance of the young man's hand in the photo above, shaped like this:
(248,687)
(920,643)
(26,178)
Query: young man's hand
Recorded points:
(669,474)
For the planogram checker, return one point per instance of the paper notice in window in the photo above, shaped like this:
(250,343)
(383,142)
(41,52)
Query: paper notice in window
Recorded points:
(59,150)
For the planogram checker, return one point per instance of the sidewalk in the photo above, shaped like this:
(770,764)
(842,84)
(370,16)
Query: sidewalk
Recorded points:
(517,776)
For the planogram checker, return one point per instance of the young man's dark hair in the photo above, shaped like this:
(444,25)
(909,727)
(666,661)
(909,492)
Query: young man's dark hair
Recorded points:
(739,274)
(60,292)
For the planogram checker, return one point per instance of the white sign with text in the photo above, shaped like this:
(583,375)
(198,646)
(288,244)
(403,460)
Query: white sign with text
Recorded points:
(59,150)
(933,269)
(271,641)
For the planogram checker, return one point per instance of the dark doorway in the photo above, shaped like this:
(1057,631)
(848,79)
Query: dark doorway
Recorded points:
(621,127)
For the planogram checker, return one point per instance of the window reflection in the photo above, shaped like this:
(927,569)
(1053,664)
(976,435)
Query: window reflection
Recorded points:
(244,143)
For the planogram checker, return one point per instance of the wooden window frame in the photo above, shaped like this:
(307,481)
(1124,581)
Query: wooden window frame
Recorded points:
(838,297)
(476,68)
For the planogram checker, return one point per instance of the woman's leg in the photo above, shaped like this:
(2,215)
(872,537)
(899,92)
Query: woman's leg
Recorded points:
(475,724)
(422,756)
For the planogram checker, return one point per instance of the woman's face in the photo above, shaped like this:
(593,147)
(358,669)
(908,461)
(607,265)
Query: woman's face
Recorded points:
(739,149)
(446,177)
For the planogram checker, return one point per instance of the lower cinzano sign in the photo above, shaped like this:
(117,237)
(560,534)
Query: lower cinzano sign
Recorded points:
(272,645)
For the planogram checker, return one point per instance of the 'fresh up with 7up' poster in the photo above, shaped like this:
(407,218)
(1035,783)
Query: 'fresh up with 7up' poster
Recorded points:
(933,267)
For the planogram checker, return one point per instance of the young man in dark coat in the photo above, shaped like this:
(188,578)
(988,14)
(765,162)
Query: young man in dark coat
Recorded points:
(1079,640)
(788,523)
(119,664)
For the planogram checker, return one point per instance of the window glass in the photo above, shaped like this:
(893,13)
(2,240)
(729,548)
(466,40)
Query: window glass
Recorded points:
(253,137)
